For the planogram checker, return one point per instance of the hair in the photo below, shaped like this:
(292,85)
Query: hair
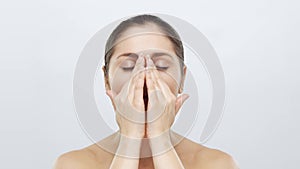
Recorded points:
(141,20)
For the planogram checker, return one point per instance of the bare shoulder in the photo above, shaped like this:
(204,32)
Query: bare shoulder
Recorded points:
(90,157)
(79,159)
(214,159)
(195,155)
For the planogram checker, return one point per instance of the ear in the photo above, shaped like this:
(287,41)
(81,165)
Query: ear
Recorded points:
(106,79)
(182,80)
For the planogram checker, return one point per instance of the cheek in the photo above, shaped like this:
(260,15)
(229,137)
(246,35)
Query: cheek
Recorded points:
(118,81)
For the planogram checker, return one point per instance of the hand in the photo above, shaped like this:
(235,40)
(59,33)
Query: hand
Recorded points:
(129,104)
(162,105)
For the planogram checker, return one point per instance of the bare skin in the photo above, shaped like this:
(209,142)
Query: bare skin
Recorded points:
(191,154)
(125,89)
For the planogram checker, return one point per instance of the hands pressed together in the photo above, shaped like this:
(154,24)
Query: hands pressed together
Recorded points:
(137,120)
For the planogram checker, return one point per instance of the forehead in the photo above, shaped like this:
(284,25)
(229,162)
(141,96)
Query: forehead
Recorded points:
(137,39)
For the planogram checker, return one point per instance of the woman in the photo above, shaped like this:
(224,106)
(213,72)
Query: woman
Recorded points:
(144,73)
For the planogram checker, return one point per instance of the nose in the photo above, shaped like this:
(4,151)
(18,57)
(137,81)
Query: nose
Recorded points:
(144,56)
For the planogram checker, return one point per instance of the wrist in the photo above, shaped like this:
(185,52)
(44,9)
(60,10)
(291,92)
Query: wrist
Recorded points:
(128,146)
(161,143)
(132,133)
(153,132)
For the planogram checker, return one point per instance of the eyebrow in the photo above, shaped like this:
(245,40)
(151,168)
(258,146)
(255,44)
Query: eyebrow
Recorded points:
(134,55)
(157,54)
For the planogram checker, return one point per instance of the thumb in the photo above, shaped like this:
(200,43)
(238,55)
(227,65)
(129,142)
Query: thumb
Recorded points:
(111,95)
(179,102)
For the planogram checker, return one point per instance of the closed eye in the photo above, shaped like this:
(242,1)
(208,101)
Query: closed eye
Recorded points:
(157,67)
(127,68)
(161,67)
(128,64)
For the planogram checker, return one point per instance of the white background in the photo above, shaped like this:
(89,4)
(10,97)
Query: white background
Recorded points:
(257,42)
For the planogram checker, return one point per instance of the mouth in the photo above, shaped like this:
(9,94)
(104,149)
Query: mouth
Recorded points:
(145,95)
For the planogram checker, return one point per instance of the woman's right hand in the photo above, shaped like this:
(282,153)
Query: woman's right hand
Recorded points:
(129,104)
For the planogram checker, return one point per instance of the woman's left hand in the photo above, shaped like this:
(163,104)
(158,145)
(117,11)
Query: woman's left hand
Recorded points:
(163,105)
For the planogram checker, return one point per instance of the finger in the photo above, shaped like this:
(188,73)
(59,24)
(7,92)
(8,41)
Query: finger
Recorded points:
(136,74)
(179,102)
(149,63)
(156,103)
(133,82)
(139,66)
(160,83)
(151,83)
(139,92)
(152,89)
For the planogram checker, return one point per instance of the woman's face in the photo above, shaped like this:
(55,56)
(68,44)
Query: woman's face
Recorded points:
(158,47)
